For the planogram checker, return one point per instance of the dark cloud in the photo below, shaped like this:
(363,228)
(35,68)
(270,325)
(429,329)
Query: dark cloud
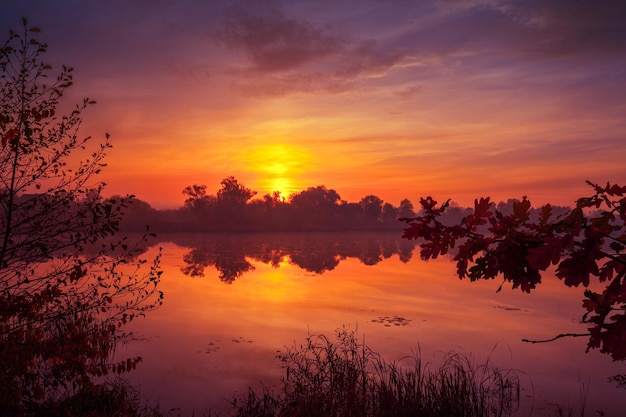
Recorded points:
(274,42)
(292,55)
(581,27)
(531,28)
(500,32)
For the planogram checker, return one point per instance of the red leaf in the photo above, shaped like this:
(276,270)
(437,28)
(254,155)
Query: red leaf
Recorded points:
(593,300)
(577,269)
(520,209)
(9,136)
(428,203)
(550,253)
(610,268)
(412,232)
(614,338)
(481,207)
(545,214)
(616,190)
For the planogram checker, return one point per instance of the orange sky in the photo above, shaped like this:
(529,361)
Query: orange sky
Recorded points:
(454,99)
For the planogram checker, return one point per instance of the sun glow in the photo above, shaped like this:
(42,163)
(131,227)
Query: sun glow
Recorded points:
(283,185)
(278,165)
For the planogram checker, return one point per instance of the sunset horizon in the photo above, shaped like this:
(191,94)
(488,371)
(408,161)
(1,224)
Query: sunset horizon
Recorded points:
(456,100)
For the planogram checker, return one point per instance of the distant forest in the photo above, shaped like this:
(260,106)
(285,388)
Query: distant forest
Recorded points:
(234,208)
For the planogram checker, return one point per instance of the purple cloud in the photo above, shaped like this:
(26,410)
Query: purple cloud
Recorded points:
(292,55)
(274,42)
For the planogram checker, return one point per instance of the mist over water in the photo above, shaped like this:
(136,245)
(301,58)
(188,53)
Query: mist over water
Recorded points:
(233,300)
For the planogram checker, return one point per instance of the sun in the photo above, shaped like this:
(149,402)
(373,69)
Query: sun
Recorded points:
(283,185)
(279,166)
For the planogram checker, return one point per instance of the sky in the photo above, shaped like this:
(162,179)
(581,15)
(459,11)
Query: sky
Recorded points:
(401,99)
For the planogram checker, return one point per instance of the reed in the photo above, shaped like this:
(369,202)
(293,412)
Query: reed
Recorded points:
(345,378)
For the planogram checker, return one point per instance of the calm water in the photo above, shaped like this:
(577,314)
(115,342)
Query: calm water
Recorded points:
(233,301)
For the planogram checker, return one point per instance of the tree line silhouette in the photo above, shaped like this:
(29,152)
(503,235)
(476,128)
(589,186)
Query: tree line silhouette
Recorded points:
(233,209)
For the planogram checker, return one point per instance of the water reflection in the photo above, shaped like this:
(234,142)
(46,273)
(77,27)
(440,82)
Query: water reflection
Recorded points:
(231,254)
(230,266)
(210,340)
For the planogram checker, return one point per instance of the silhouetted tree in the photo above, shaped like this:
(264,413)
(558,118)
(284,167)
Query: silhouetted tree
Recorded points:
(197,198)
(274,200)
(351,215)
(316,207)
(231,209)
(200,206)
(316,198)
(138,215)
(389,214)
(233,194)
(64,293)
(372,207)
(406,209)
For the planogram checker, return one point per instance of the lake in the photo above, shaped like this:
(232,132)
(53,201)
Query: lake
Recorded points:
(232,301)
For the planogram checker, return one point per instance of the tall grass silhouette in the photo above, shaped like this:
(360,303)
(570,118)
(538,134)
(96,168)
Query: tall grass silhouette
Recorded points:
(345,378)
